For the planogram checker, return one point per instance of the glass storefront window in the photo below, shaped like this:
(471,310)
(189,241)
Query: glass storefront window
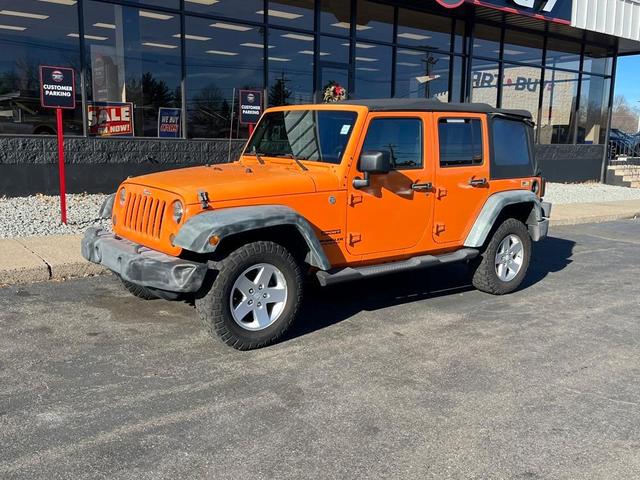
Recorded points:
(251,10)
(334,50)
(291,13)
(374,21)
(457,74)
(486,41)
(523,47)
(133,60)
(223,59)
(563,54)
(558,107)
(160,3)
(597,60)
(290,71)
(335,17)
(593,111)
(485,76)
(44,34)
(423,30)
(459,41)
(372,72)
(424,76)
(521,88)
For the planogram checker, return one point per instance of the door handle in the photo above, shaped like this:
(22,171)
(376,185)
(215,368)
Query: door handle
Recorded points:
(422,187)
(478,182)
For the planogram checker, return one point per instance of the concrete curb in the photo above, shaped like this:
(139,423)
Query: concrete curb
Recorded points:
(38,259)
(579,213)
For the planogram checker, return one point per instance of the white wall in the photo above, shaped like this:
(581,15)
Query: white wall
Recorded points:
(614,17)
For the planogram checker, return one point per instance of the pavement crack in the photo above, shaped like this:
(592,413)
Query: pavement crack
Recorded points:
(603,397)
(49,270)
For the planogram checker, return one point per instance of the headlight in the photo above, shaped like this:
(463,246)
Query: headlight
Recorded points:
(123,195)
(178,211)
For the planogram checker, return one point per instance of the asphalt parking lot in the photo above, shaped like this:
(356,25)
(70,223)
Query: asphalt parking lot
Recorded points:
(413,376)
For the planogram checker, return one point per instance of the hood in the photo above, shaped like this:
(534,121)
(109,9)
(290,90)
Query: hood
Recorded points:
(230,181)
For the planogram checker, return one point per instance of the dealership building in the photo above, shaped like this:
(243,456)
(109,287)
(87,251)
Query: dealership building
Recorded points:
(158,82)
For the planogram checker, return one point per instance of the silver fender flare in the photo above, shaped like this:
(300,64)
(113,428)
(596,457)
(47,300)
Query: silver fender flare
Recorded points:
(494,206)
(195,233)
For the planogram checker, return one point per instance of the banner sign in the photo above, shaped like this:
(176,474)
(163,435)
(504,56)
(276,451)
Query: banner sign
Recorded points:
(169,122)
(250,106)
(57,87)
(551,10)
(107,119)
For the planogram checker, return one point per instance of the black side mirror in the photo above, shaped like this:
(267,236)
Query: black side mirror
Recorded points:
(372,162)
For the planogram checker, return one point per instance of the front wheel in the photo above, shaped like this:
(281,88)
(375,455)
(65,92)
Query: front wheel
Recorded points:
(254,297)
(504,263)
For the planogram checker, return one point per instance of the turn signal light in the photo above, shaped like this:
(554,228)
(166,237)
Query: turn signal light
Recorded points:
(214,240)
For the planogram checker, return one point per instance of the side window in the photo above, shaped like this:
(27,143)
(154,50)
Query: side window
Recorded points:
(510,140)
(460,142)
(401,137)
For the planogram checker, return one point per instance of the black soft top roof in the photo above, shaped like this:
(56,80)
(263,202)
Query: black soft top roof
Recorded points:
(426,105)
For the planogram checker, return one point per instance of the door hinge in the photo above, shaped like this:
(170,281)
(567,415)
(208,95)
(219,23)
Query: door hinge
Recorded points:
(438,228)
(354,199)
(354,238)
(441,192)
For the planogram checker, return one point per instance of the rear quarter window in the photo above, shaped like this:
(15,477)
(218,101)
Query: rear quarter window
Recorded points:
(511,149)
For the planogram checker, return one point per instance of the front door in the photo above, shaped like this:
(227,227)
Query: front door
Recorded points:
(462,174)
(394,213)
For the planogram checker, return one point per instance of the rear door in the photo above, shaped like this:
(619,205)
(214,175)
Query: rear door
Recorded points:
(462,174)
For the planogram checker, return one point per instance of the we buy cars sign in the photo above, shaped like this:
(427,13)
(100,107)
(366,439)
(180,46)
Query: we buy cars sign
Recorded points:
(108,119)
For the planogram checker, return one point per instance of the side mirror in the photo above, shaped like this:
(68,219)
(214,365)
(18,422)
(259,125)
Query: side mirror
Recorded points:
(372,162)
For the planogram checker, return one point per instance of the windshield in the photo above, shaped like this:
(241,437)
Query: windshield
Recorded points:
(318,135)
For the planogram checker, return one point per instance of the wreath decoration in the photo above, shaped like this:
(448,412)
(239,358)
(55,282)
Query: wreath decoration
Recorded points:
(333,92)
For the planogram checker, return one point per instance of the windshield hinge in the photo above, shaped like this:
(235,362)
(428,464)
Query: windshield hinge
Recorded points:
(204,199)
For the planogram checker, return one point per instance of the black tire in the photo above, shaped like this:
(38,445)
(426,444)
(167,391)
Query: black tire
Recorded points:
(484,275)
(138,290)
(214,306)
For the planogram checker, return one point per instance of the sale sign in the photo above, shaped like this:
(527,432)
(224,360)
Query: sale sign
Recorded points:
(108,119)
(169,122)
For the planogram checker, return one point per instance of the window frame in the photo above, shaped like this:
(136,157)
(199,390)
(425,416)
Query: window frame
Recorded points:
(403,117)
(482,143)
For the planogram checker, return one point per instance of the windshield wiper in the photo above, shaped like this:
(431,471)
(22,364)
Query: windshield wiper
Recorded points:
(257,155)
(295,159)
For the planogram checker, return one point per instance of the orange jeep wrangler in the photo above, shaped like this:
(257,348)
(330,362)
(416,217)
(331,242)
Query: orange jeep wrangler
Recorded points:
(339,191)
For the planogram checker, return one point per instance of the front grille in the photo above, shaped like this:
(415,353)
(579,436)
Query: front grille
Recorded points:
(144,214)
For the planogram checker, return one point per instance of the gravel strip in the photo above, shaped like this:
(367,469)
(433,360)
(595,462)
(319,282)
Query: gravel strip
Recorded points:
(40,215)
(559,193)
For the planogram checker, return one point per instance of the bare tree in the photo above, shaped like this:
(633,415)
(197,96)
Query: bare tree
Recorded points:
(624,116)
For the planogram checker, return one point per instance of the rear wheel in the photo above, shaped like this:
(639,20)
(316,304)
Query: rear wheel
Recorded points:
(503,265)
(255,296)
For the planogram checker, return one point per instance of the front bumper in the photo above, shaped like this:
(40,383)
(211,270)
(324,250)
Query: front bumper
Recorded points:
(141,265)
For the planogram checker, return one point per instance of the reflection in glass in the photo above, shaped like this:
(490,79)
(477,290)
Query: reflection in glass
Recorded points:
(557,121)
(521,88)
(523,47)
(373,68)
(484,82)
(319,136)
(563,54)
(334,49)
(134,56)
(290,72)
(401,137)
(486,41)
(335,17)
(374,21)
(593,112)
(291,13)
(252,10)
(230,59)
(423,30)
(51,38)
(424,76)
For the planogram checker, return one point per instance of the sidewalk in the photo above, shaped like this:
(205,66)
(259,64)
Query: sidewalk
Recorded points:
(38,259)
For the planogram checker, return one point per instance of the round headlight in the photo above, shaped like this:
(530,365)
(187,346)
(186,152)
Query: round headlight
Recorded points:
(178,211)
(123,195)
